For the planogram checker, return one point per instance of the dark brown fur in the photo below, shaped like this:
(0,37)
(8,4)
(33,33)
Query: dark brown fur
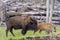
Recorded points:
(24,22)
(17,22)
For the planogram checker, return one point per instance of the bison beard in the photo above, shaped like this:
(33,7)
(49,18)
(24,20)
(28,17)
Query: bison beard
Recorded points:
(17,22)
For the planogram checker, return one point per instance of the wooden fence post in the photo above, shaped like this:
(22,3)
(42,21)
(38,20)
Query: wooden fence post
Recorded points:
(51,10)
(47,12)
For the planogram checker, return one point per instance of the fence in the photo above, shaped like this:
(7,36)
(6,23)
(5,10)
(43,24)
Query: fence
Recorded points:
(37,10)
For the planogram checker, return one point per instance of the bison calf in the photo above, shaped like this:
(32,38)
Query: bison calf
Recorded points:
(48,27)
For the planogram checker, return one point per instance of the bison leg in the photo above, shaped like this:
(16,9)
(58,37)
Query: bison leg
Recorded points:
(55,29)
(12,31)
(35,31)
(48,32)
(40,31)
(7,32)
(24,31)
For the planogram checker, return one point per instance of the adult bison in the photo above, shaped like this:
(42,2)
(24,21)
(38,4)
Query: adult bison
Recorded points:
(48,27)
(20,22)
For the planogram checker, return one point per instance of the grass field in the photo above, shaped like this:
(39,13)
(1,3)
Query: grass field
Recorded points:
(18,34)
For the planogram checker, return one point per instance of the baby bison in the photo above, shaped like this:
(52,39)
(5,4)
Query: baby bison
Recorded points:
(48,27)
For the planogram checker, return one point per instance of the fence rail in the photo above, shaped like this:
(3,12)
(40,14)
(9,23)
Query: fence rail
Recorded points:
(36,10)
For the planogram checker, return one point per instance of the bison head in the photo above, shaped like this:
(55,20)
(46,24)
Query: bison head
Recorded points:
(30,26)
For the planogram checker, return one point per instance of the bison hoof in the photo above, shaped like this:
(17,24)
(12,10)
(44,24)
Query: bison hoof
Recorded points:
(23,32)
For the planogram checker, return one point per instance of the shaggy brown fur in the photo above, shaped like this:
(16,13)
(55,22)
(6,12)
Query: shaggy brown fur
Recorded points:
(17,21)
(48,27)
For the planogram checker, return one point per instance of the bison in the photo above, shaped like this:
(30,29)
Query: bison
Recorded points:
(20,22)
(48,27)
